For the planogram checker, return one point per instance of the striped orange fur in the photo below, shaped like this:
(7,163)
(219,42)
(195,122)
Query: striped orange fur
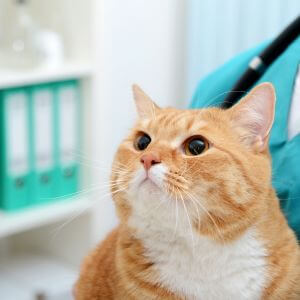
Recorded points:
(205,226)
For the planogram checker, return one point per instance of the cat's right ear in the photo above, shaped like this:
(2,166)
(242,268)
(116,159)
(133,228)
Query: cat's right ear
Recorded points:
(253,116)
(146,107)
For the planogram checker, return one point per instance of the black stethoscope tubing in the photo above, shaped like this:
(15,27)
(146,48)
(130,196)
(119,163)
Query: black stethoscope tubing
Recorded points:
(261,62)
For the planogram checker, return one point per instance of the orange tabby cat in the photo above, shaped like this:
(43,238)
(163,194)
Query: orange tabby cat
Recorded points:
(199,218)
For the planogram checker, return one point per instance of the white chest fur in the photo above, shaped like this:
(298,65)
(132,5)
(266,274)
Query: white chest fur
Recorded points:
(195,266)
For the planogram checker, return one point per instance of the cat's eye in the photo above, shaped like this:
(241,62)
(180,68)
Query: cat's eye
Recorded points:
(142,141)
(195,145)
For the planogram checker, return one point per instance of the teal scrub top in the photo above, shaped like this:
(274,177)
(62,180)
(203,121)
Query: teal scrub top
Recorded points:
(211,91)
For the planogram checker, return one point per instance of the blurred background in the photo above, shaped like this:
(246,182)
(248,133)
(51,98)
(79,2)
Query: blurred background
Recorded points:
(66,70)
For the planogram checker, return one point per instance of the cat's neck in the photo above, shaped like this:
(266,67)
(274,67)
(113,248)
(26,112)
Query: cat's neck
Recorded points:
(189,263)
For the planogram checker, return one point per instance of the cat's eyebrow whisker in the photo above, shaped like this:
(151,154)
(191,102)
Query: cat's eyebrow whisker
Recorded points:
(222,101)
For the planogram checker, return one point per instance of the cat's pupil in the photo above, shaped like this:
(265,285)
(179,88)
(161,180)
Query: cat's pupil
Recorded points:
(196,146)
(143,142)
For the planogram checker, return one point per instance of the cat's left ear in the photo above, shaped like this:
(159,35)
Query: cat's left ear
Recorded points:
(145,106)
(253,116)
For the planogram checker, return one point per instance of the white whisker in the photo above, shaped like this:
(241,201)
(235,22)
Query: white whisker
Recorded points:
(189,221)
(209,215)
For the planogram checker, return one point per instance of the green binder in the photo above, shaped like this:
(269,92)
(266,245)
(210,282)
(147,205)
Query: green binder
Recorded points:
(42,143)
(15,169)
(67,101)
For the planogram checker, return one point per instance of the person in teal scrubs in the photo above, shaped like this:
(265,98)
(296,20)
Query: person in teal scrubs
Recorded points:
(211,91)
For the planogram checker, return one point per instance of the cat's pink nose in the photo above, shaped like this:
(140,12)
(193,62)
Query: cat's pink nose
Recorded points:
(150,159)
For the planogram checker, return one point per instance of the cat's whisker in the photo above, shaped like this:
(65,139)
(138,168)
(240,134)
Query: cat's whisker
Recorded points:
(130,163)
(189,221)
(111,183)
(57,230)
(75,194)
(213,104)
(95,164)
(111,172)
(238,181)
(181,173)
(94,187)
(77,214)
(209,215)
(117,169)
(176,214)
(187,169)
(171,189)
(194,203)
(80,154)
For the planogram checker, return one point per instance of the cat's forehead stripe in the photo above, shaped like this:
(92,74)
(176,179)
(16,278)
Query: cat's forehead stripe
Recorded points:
(184,121)
(174,120)
(196,126)
(169,120)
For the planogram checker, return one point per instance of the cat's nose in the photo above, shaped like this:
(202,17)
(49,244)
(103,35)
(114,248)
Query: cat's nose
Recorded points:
(150,159)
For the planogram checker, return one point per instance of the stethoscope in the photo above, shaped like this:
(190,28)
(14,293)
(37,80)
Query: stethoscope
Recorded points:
(261,62)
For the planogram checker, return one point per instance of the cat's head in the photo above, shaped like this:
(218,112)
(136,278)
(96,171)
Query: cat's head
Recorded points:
(210,164)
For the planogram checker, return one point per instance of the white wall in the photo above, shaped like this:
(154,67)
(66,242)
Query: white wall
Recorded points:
(218,30)
(136,42)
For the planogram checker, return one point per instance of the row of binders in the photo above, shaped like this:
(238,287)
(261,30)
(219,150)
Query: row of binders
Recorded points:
(39,139)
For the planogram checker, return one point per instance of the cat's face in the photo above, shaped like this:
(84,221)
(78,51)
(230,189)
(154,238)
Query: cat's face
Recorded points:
(210,164)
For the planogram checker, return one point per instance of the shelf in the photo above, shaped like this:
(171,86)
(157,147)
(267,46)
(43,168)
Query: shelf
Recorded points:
(14,78)
(35,275)
(12,223)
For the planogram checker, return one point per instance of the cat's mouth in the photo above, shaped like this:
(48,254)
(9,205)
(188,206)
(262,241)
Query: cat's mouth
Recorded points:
(152,179)
(149,181)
